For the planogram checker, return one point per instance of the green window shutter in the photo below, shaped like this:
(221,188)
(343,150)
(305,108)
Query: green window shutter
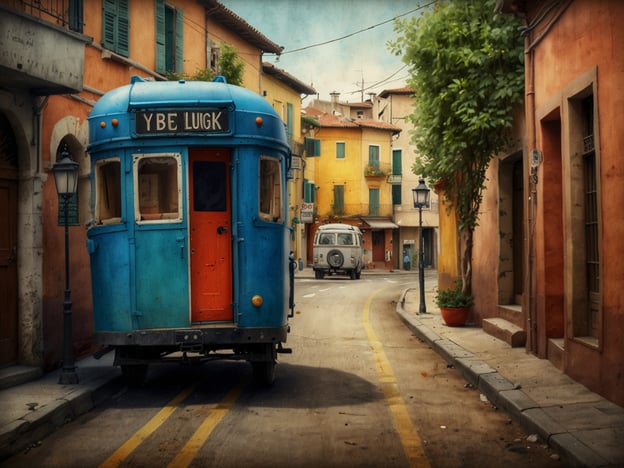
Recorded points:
(309,191)
(340,150)
(179,41)
(312,147)
(289,122)
(373,156)
(109,19)
(373,202)
(396,195)
(76,15)
(397,162)
(116,26)
(160,37)
(339,199)
(123,31)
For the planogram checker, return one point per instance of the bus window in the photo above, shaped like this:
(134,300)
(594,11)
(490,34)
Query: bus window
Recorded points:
(157,194)
(108,191)
(270,195)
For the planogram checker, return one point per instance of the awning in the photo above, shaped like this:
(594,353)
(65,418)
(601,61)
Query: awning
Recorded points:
(380,223)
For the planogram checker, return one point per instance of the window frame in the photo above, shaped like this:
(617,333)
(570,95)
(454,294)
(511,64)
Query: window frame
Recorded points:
(167,217)
(276,213)
(99,177)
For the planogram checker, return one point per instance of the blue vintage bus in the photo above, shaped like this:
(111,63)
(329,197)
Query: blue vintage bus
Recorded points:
(189,241)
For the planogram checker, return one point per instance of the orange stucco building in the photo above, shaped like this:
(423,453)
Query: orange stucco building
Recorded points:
(56,63)
(553,203)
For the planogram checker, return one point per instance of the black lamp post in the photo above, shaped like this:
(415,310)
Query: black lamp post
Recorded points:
(66,179)
(421,199)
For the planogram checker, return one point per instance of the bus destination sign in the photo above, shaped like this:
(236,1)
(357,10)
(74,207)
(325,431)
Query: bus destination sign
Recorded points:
(187,121)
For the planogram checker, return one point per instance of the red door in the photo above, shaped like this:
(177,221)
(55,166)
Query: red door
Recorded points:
(210,235)
(8,272)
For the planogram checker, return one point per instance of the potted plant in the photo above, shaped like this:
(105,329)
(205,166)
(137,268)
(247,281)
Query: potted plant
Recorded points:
(454,305)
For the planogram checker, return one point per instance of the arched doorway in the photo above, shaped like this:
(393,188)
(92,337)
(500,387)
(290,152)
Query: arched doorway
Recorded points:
(8,244)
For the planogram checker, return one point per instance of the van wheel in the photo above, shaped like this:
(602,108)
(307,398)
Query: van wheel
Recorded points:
(263,372)
(318,274)
(353,274)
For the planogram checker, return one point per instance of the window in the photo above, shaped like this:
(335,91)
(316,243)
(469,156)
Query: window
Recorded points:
(590,188)
(309,191)
(338,199)
(157,194)
(169,38)
(373,202)
(215,53)
(585,235)
(340,150)
(373,156)
(345,239)
(312,147)
(397,171)
(108,191)
(270,196)
(327,239)
(76,15)
(116,26)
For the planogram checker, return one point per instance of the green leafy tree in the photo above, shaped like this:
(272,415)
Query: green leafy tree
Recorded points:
(466,70)
(230,66)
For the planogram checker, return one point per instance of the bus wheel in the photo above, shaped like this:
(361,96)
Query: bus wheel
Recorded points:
(135,374)
(263,372)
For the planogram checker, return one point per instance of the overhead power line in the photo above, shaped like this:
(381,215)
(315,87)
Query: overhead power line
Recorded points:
(356,32)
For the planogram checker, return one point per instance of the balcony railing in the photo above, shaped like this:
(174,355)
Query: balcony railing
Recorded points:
(377,169)
(65,13)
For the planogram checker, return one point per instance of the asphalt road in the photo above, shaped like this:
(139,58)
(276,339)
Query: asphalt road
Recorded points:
(358,390)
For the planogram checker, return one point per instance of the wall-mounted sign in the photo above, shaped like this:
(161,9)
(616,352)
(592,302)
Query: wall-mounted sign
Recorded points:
(307,213)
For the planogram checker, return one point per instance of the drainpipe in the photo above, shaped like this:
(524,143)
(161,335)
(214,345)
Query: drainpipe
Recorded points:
(532,199)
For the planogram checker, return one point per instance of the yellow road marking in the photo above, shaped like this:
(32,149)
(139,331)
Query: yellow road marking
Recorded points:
(190,449)
(412,445)
(133,442)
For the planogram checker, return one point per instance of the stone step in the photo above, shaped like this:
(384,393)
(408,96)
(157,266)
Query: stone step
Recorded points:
(504,330)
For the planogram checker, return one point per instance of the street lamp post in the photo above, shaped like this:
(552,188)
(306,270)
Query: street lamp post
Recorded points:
(66,179)
(421,199)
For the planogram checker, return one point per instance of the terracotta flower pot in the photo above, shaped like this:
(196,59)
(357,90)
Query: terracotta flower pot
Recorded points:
(455,316)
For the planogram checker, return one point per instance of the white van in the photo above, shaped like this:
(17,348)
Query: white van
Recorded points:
(338,250)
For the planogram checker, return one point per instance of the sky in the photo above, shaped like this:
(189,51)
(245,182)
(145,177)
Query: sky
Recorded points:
(353,66)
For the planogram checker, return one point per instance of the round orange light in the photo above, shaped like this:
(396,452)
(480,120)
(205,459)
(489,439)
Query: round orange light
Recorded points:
(259,121)
(256,301)
(102,124)
(115,122)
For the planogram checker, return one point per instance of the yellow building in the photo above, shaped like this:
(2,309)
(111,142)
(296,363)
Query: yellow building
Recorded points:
(284,92)
(352,162)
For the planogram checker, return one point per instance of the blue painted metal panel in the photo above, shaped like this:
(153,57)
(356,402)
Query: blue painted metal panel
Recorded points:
(110,273)
(162,298)
(263,248)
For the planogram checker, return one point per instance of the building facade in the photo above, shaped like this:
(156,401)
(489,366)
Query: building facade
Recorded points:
(57,59)
(394,107)
(552,207)
(350,167)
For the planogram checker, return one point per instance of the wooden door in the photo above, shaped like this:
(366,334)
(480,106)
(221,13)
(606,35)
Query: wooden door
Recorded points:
(8,271)
(210,235)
